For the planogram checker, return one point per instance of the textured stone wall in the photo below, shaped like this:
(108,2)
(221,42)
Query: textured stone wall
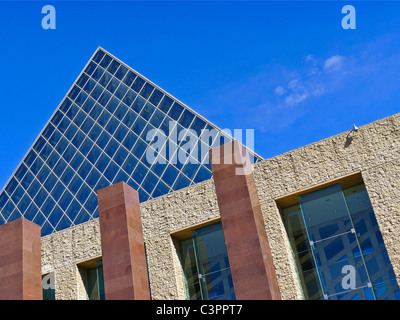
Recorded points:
(374,150)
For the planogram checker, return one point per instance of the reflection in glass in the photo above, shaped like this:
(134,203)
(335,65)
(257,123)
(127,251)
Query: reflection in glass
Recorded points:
(206,265)
(338,248)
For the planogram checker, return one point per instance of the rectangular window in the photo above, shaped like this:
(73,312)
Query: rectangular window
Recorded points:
(206,265)
(92,276)
(337,245)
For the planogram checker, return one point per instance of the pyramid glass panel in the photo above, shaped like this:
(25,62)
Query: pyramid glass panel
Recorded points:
(113,125)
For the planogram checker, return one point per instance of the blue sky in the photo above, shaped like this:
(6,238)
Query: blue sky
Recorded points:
(286,69)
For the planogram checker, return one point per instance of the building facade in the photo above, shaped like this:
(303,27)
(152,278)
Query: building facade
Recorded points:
(318,222)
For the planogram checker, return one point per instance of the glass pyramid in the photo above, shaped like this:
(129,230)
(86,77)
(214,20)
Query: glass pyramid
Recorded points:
(104,131)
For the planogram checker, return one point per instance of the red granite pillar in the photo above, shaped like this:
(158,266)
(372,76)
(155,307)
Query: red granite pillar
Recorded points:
(20,261)
(123,252)
(250,259)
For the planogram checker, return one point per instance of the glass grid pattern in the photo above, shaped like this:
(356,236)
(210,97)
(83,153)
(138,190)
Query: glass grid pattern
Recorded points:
(96,138)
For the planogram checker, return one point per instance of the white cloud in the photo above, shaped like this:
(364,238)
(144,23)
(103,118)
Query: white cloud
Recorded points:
(333,62)
(280,91)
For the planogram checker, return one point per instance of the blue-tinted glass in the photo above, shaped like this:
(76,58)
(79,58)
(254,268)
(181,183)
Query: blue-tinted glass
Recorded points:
(161,189)
(93,178)
(120,156)
(103,139)
(103,119)
(130,77)
(105,97)
(52,160)
(3,199)
(80,117)
(147,90)
(83,193)
(21,172)
(170,175)
(89,86)
(84,169)
(63,125)
(186,119)
(157,119)
(130,164)
(202,175)
(120,93)
(112,104)
(95,132)
(55,137)
(57,191)
(44,231)
(48,206)
(16,214)
(111,171)
(30,158)
(72,111)
(85,146)
(137,84)
(175,111)
(138,104)
(81,98)
(24,203)
(112,125)
(111,147)
(120,133)
(130,140)
(139,173)
(56,118)
(147,111)
(67,175)
(133,184)
(190,169)
(31,212)
(139,148)
(70,133)
(7,210)
(148,133)
(50,182)
(106,61)
(81,217)
(34,187)
(73,209)
(121,111)
(98,72)
(112,85)
(129,118)
(156,97)
(55,216)
(98,56)
(96,92)
(106,77)
(40,197)
(46,151)
(73,93)
(76,161)
(143,195)
(48,131)
(120,74)
(90,68)
(113,67)
(36,166)
(165,104)
(63,223)
(150,182)
(61,145)
(129,98)
(26,181)
(95,111)
(103,183)
(18,193)
(65,200)
(39,144)
(102,162)
(75,184)
(139,125)
(94,154)
(92,203)
(87,125)
(121,176)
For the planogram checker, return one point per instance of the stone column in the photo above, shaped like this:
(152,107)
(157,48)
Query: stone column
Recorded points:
(123,252)
(250,259)
(20,261)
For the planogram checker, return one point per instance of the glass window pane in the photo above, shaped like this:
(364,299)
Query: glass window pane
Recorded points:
(175,111)
(121,72)
(113,66)
(137,84)
(130,77)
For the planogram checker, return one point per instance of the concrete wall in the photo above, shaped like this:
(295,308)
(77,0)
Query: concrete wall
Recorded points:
(373,150)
